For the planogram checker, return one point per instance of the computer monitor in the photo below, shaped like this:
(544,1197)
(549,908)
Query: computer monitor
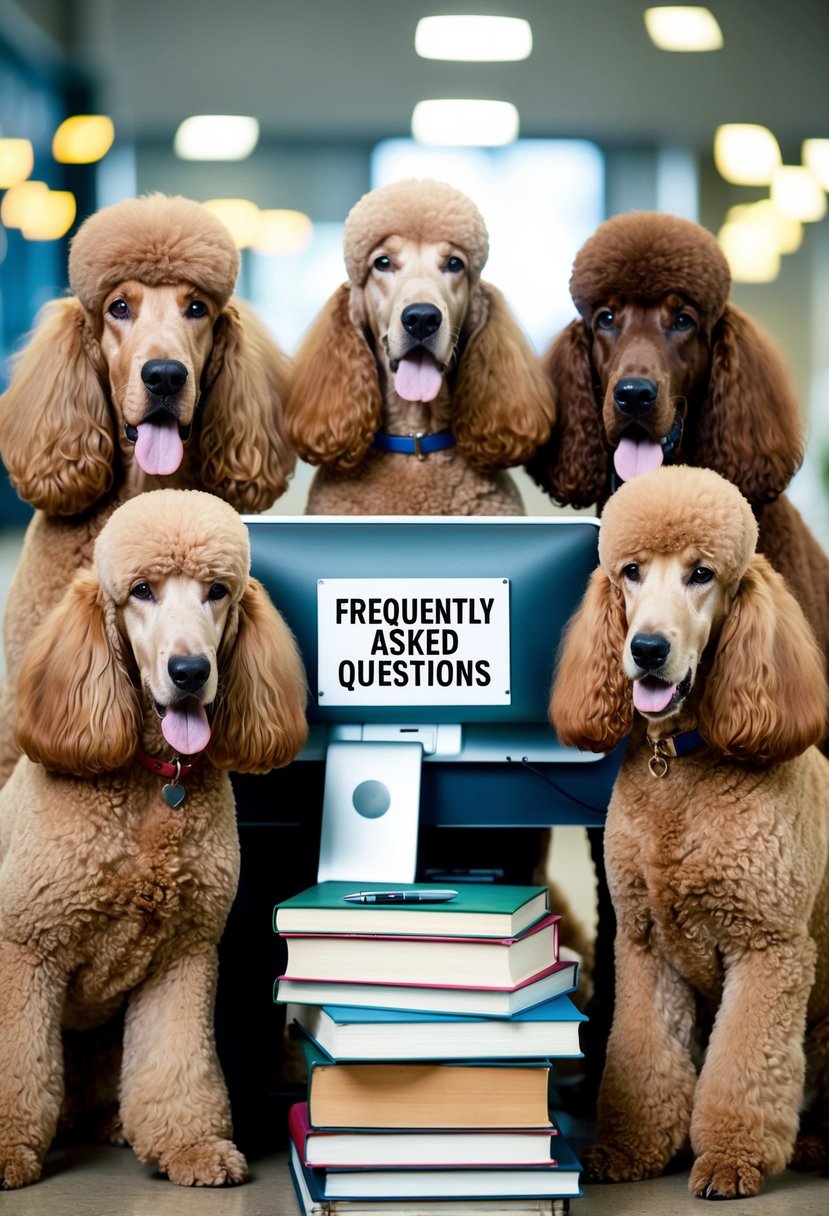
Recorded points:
(429,645)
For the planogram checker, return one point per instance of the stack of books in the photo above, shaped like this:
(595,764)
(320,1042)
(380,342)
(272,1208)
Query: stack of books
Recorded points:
(428,1032)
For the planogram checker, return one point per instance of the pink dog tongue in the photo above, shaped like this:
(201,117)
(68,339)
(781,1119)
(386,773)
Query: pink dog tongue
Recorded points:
(633,457)
(158,448)
(417,377)
(185,727)
(652,697)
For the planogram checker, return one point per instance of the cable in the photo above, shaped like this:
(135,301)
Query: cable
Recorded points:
(599,810)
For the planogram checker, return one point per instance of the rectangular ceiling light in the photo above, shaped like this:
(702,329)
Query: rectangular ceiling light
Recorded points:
(216,137)
(816,158)
(17,159)
(746,154)
(798,194)
(83,139)
(683,28)
(474,39)
(751,252)
(465,123)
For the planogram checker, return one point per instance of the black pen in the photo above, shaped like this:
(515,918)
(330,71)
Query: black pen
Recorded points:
(437,896)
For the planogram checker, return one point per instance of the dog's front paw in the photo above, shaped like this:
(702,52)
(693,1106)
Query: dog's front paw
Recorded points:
(19,1165)
(716,1177)
(606,1162)
(206,1163)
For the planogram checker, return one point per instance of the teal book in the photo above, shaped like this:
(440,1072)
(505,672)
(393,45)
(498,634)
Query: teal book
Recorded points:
(478,910)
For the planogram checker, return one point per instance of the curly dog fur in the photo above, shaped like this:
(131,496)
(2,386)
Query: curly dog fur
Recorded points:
(719,870)
(111,901)
(83,426)
(367,366)
(652,294)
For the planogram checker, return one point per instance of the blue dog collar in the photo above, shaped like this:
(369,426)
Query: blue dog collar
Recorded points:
(417,444)
(670,748)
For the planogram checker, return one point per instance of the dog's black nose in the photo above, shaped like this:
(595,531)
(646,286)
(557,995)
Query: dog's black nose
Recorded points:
(649,650)
(189,671)
(421,320)
(635,395)
(164,377)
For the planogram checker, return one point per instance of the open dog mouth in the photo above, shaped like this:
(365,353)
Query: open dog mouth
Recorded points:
(185,725)
(159,443)
(655,697)
(418,375)
(637,453)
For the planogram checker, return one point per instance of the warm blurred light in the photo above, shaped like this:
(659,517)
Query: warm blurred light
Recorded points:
(18,201)
(469,38)
(746,154)
(683,28)
(796,193)
(816,159)
(282,232)
(751,252)
(50,216)
(82,139)
(788,233)
(17,159)
(465,123)
(240,216)
(216,137)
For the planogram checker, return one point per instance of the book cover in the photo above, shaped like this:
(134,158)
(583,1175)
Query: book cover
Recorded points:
(491,1002)
(389,1149)
(408,1096)
(478,910)
(409,959)
(351,1033)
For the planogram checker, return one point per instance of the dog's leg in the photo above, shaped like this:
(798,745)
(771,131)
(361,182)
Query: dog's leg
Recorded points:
(746,1104)
(31,1062)
(646,1093)
(174,1103)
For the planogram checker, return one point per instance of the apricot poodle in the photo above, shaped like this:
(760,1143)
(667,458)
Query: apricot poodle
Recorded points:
(717,840)
(415,387)
(660,366)
(151,374)
(163,661)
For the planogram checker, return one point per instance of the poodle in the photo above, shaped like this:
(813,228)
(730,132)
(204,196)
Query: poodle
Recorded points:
(660,367)
(717,840)
(119,865)
(415,388)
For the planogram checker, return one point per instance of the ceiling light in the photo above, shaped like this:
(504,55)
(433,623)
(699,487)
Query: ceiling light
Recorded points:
(750,251)
(478,39)
(788,233)
(82,139)
(50,216)
(240,217)
(216,137)
(282,232)
(18,202)
(17,159)
(465,123)
(816,158)
(798,194)
(746,154)
(683,28)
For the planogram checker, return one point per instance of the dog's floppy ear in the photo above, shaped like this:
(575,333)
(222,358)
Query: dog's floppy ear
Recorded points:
(502,407)
(259,722)
(749,428)
(78,712)
(55,424)
(591,705)
(246,459)
(765,699)
(573,466)
(334,409)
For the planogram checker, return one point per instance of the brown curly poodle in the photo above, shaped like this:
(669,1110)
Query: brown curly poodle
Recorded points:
(111,897)
(151,374)
(660,366)
(415,387)
(717,840)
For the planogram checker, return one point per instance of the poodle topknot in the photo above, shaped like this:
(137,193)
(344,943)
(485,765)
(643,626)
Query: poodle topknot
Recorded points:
(645,255)
(676,508)
(154,240)
(424,210)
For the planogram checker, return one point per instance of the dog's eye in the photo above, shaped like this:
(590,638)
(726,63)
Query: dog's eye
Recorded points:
(119,308)
(684,321)
(218,591)
(631,572)
(701,574)
(455,265)
(382,263)
(605,319)
(142,591)
(196,308)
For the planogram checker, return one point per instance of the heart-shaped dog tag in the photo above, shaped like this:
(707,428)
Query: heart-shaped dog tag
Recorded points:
(173,795)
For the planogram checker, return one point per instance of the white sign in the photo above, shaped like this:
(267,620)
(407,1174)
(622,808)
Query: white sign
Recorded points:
(413,641)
